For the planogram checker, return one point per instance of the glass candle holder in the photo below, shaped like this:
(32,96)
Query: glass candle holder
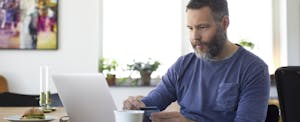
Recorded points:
(45,94)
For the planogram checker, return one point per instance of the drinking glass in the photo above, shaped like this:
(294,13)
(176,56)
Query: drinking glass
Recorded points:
(45,94)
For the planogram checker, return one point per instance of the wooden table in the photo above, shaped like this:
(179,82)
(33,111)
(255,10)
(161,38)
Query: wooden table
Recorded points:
(10,111)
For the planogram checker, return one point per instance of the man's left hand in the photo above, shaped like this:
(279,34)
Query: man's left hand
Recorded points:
(168,117)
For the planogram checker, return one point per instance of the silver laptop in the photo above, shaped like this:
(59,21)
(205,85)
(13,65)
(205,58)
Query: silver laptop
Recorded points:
(86,97)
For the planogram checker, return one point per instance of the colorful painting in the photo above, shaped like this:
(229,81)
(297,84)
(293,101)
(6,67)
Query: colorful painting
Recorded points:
(28,24)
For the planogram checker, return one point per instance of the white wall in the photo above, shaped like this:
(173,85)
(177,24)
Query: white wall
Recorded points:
(100,27)
(185,39)
(77,52)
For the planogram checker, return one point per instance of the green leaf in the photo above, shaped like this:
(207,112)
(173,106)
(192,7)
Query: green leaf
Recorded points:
(246,43)
(107,65)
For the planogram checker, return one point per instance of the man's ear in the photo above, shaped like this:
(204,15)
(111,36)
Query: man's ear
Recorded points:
(225,22)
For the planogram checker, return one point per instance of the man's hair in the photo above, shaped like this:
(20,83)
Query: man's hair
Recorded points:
(219,8)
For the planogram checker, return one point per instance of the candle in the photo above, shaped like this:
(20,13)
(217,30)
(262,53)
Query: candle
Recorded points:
(41,79)
(47,78)
(42,88)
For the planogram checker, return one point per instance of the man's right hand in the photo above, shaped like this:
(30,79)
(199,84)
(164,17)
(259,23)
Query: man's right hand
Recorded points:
(133,103)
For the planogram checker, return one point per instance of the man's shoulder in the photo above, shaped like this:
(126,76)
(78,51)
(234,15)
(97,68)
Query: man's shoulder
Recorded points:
(250,57)
(189,55)
(185,61)
(187,58)
(246,53)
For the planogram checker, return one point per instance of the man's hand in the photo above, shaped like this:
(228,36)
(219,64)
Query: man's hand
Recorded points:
(133,103)
(168,117)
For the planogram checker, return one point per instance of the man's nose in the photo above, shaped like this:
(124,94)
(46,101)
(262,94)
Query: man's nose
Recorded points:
(195,35)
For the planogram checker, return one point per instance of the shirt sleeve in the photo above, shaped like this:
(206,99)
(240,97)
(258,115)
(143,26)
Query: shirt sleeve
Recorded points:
(165,93)
(254,94)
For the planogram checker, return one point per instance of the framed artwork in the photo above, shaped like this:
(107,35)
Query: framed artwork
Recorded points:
(29,24)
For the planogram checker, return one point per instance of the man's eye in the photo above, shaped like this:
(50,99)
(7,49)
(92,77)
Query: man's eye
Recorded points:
(190,28)
(203,27)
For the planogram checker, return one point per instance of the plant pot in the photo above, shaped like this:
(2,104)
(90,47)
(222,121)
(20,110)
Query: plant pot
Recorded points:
(111,79)
(145,78)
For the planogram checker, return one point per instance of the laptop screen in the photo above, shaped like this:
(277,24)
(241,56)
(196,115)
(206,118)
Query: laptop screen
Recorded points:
(86,97)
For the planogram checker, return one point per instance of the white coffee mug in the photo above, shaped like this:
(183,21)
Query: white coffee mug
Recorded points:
(129,115)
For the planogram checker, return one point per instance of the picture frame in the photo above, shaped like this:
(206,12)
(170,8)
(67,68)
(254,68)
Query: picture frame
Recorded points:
(29,24)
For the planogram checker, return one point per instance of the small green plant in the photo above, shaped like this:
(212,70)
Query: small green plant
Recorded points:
(145,69)
(148,66)
(107,65)
(246,43)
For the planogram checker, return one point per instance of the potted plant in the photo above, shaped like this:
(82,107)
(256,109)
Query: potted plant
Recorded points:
(246,44)
(145,69)
(107,66)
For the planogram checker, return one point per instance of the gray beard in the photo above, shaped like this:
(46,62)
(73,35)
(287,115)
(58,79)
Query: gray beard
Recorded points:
(215,46)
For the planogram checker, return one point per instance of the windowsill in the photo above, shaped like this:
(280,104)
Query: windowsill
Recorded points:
(134,83)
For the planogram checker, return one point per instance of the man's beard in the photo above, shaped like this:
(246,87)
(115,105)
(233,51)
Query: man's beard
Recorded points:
(214,46)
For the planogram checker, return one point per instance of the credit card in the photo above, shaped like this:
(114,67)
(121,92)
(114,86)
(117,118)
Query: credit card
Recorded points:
(147,112)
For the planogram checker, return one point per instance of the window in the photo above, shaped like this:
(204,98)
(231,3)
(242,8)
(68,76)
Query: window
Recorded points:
(252,20)
(138,30)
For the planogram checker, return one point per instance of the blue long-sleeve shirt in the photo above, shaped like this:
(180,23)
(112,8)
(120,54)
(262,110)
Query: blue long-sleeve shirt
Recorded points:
(233,89)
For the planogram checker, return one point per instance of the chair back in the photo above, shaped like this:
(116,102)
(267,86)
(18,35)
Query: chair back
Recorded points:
(3,84)
(288,86)
(272,114)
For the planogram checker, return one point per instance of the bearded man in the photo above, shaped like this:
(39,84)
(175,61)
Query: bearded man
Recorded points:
(219,82)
